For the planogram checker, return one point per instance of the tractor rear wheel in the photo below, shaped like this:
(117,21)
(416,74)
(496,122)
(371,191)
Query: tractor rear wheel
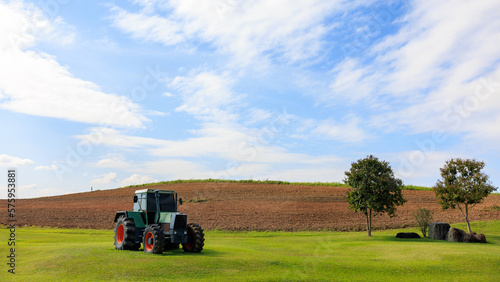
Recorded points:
(196,239)
(153,239)
(125,234)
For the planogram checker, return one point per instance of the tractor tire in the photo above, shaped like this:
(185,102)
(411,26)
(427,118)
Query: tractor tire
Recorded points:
(125,234)
(153,239)
(196,239)
(171,246)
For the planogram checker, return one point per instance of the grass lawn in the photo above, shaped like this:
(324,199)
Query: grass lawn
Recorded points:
(45,254)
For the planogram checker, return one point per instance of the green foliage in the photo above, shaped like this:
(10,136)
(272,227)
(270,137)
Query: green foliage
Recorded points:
(423,217)
(462,185)
(375,189)
(49,254)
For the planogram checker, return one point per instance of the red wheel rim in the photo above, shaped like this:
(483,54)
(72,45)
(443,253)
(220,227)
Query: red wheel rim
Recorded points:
(120,233)
(148,246)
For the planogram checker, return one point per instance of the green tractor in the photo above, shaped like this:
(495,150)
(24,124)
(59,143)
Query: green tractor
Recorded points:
(156,224)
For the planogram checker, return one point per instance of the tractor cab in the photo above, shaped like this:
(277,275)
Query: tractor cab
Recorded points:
(145,200)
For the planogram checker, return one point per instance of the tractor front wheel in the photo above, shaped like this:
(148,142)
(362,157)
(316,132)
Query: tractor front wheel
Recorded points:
(153,239)
(196,239)
(125,234)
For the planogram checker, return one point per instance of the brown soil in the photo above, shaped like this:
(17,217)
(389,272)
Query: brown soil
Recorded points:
(239,206)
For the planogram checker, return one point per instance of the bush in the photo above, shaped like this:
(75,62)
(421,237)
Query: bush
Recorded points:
(423,217)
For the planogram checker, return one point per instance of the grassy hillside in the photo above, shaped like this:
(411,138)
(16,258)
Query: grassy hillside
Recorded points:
(332,184)
(46,254)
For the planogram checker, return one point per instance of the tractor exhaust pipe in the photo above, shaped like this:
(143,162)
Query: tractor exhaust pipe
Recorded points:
(157,198)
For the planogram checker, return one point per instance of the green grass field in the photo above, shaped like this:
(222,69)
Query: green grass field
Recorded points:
(45,254)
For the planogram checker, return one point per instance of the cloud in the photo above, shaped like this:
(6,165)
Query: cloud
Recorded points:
(419,165)
(150,28)
(31,191)
(33,82)
(207,96)
(10,161)
(137,179)
(168,94)
(352,82)
(249,30)
(48,167)
(114,162)
(308,174)
(217,152)
(105,179)
(349,131)
(439,72)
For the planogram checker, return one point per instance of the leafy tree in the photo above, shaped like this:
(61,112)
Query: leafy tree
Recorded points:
(423,217)
(375,190)
(463,185)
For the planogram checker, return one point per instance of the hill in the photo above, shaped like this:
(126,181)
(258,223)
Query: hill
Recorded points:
(240,206)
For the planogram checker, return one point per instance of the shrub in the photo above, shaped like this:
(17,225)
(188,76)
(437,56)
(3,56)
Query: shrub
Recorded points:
(423,217)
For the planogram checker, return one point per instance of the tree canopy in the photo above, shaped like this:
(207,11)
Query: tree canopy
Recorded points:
(462,185)
(375,190)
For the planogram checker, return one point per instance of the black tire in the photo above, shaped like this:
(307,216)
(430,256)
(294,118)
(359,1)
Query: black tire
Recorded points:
(196,239)
(153,239)
(171,246)
(125,234)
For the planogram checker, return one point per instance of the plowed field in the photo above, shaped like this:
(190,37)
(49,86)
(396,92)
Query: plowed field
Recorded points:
(240,206)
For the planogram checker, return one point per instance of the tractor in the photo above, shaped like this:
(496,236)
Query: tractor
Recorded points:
(156,224)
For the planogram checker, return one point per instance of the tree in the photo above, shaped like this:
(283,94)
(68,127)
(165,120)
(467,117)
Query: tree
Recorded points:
(375,190)
(423,217)
(463,185)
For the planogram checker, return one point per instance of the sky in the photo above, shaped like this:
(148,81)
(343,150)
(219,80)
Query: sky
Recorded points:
(105,94)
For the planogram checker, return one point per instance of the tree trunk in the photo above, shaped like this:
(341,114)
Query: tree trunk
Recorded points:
(467,218)
(369,222)
(466,215)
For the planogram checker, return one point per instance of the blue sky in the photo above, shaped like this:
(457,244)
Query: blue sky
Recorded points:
(106,94)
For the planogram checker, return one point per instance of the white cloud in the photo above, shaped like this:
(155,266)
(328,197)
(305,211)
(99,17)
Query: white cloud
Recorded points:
(425,76)
(33,82)
(348,131)
(207,96)
(114,162)
(48,167)
(149,27)
(246,29)
(217,152)
(308,174)
(137,179)
(449,40)
(105,179)
(419,165)
(258,115)
(352,82)
(31,191)
(115,138)
(10,161)
(176,169)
